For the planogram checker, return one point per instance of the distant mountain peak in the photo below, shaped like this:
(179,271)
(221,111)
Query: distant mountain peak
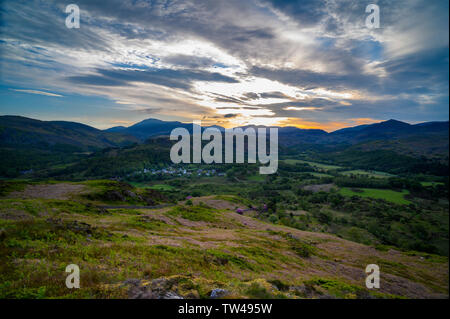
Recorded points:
(393,121)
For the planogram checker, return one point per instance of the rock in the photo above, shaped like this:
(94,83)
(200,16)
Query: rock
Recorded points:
(170,295)
(131,281)
(97,210)
(103,211)
(218,293)
(160,288)
(305,291)
(114,196)
(192,294)
(289,235)
(130,194)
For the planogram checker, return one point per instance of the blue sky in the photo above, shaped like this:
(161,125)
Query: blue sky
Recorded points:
(304,63)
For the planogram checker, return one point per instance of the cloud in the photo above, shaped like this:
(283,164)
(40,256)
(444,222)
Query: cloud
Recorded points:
(284,59)
(180,79)
(37,92)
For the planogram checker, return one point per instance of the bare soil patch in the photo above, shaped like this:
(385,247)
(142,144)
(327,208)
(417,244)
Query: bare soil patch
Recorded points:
(319,187)
(59,191)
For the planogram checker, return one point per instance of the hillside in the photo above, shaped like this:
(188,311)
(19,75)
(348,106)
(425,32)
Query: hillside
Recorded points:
(28,145)
(64,148)
(17,131)
(200,248)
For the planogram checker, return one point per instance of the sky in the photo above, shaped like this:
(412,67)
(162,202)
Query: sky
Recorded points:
(303,63)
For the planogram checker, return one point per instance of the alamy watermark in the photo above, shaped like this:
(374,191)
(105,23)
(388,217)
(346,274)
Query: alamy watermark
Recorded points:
(73,280)
(73,19)
(373,277)
(212,151)
(373,19)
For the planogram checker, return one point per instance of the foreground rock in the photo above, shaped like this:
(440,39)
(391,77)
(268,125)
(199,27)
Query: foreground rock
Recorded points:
(174,287)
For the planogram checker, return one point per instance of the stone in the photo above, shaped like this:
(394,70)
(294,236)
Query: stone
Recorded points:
(218,293)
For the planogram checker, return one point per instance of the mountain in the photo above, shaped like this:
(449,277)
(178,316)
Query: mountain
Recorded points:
(387,130)
(116,129)
(153,127)
(392,130)
(18,132)
(150,127)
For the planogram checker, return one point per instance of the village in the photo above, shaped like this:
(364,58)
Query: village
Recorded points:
(177,171)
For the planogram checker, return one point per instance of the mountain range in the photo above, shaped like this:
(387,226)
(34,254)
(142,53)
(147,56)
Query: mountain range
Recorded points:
(40,145)
(17,131)
(289,136)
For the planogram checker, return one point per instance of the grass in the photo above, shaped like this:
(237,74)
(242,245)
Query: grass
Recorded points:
(386,194)
(162,187)
(234,199)
(325,167)
(361,172)
(194,213)
(257,178)
(428,184)
(315,174)
(7,187)
(242,257)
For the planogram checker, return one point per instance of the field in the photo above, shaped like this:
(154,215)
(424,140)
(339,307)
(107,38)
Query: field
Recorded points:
(187,249)
(320,166)
(375,174)
(163,187)
(428,184)
(316,174)
(256,178)
(386,194)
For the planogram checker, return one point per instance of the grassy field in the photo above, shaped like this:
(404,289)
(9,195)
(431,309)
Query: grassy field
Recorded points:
(320,166)
(162,187)
(159,187)
(361,172)
(187,250)
(427,184)
(315,174)
(386,194)
(257,178)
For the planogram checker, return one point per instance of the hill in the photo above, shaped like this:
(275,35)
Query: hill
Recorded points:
(17,131)
(188,249)
(28,144)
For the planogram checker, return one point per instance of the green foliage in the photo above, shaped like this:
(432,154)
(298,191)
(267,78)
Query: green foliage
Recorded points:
(385,194)
(257,291)
(7,187)
(194,213)
(145,222)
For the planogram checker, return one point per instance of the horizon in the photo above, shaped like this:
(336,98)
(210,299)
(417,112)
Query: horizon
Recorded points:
(308,64)
(210,125)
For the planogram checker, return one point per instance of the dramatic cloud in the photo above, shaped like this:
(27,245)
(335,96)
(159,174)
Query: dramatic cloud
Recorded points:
(307,63)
